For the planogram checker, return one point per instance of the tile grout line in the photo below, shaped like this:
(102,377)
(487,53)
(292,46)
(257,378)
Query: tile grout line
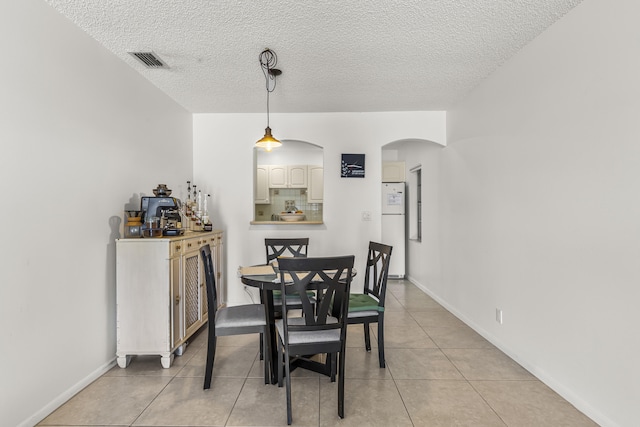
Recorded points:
(156,397)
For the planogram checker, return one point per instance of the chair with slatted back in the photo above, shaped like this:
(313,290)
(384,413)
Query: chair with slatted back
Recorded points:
(368,307)
(286,247)
(320,330)
(296,247)
(236,320)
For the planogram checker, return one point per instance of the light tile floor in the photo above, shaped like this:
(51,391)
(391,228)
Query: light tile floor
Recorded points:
(439,373)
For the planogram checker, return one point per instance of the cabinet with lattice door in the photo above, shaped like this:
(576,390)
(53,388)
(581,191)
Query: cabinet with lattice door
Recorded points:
(195,300)
(160,293)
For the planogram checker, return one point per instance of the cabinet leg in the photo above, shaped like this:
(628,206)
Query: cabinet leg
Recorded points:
(123,361)
(166,360)
(180,350)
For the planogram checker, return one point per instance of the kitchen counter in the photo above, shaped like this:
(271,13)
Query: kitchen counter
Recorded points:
(187,234)
(287,222)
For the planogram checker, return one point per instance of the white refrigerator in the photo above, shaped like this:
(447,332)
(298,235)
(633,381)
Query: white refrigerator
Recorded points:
(393,225)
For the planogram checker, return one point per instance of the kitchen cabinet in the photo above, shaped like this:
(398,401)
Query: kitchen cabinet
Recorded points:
(315,189)
(288,176)
(160,293)
(393,172)
(261,190)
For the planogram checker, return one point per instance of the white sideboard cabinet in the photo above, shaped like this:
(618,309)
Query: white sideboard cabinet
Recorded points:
(161,294)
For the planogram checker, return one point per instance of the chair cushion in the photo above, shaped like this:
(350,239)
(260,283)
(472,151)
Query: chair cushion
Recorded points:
(278,294)
(308,337)
(240,316)
(362,314)
(292,299)
(363,302)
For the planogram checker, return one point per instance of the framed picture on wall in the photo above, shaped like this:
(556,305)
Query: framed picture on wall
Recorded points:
(352,166)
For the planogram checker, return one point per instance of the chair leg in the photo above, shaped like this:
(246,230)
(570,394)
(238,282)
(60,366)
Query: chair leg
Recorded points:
(288,381)
(381,341)
(367,336)
(211,355)
(341,382)
(267,366)
(280,363)
(334,365)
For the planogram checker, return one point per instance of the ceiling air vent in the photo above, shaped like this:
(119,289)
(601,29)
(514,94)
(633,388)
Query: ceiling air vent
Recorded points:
(149,59)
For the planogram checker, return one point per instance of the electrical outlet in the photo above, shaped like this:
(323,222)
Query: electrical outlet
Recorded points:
(366,216)
(499,316)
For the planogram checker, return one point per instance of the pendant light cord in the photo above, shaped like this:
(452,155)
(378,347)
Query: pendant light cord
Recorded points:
(268,60)
(268,108)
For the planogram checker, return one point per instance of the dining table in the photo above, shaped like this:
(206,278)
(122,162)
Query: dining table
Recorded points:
(266,278)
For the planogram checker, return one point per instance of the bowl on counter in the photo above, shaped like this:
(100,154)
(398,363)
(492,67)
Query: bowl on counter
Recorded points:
(291,217)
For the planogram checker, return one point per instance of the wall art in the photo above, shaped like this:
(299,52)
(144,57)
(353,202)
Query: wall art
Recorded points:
(352,166)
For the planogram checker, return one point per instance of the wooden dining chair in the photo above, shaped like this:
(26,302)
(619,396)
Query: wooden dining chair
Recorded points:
(368,307)
(286,247)
(296,247)
(236,320)
(319,330)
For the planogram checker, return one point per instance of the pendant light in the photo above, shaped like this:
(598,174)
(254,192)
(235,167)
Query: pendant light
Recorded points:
(268,61)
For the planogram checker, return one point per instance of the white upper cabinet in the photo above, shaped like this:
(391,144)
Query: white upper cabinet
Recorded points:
(297,176)
(315,189)
(393,172)
(261,190)
(288,176)
(277,176)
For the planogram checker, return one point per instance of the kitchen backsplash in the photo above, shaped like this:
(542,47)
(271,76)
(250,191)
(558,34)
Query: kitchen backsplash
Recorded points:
(278,196)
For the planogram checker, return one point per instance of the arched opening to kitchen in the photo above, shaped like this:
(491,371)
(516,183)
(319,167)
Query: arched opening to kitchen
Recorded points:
(289,183)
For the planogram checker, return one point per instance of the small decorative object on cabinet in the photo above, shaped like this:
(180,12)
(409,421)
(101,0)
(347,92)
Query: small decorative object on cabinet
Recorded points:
(161,295)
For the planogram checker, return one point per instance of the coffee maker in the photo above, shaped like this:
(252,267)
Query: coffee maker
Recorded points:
(161,216)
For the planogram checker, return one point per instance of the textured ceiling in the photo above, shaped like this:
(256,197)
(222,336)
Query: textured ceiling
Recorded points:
(336,55)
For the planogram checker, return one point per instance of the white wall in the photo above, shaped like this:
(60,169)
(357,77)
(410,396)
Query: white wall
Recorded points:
(290,153)
(223,162)
(81,134)
(423,257)
(541,208)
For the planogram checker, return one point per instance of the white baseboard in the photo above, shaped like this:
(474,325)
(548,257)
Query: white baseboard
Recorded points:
(67,394)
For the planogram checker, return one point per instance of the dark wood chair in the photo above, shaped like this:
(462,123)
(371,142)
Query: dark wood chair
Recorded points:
(368,307)
(288,247)
(296,247)
(237,320)
(321,329)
